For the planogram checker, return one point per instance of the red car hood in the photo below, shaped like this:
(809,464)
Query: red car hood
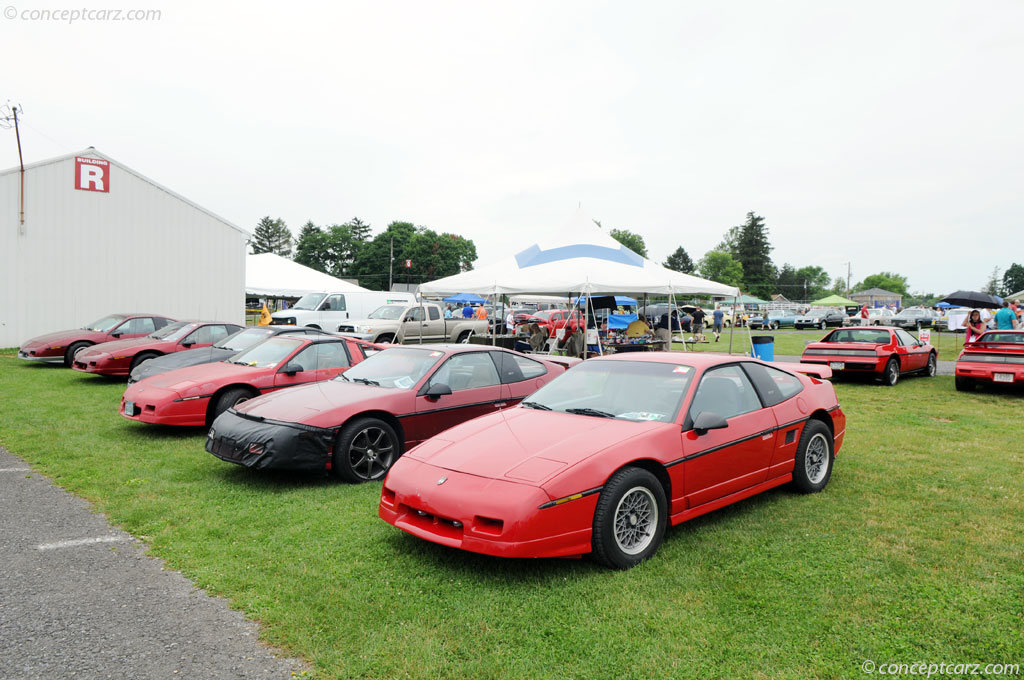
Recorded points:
(328,403)
(130,346)
(63,338)
(216,374)
(517,445)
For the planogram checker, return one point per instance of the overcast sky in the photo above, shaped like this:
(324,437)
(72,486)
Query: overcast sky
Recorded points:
(884,134)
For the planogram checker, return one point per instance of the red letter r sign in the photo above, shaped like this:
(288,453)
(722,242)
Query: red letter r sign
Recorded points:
(92,174)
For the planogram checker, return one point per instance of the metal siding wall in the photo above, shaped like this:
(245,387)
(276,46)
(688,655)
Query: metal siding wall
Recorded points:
(86,254)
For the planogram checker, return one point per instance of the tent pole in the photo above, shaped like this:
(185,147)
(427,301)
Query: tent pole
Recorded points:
(732,326)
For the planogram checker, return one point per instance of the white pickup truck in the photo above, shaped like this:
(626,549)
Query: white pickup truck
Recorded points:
(326,311)
(412,323)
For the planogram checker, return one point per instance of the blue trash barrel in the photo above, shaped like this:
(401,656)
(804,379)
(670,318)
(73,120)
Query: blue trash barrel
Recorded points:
(763,347)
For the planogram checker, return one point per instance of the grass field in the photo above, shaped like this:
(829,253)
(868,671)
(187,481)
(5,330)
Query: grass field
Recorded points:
(912,554)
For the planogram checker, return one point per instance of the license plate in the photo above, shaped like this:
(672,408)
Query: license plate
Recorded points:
(837,365)
(129,408)
(1002,377)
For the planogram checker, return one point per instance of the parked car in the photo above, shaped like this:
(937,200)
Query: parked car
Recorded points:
(412,323)
(646,441)
(774,321)
(819,318)
(995,358)
(884,353)
(219,351)
(195,395)
(326,311)
(120,357)
(61,347)
(358,425)
(915,317)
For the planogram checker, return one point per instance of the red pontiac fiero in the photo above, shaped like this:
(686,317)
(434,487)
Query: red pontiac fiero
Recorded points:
(646,440)
(360,423)
(883,353)
(120,357)
(995,358)
(61,347)
(195,395)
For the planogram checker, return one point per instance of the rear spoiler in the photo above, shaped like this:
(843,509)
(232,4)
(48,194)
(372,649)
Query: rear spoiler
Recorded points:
(564,362)
(817,370)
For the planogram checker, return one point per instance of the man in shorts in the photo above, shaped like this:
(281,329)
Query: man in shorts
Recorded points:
(717,317)
(698,325)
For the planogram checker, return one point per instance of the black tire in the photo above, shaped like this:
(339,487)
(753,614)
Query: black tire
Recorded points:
(891,376)
(823,325)
(775,325)
(386,339)
(814,457)
(228,399)
(964,384)
(464,337)
(139,358)
(73,349)
(631,502)
(932,369)
(365,450)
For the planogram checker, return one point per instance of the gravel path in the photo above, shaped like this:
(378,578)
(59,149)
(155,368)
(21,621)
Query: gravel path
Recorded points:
(80,599)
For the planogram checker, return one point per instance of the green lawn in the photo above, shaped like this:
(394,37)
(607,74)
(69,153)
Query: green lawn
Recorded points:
(913,553)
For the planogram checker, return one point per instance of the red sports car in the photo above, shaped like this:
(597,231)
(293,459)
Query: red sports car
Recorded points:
(196,395)
(997,357)
(883,353)
(120,357)
(360,423)
(63,345)
(647,440)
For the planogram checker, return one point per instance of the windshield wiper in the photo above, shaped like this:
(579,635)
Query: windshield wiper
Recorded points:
(590,412)
(536,405)
(365,381)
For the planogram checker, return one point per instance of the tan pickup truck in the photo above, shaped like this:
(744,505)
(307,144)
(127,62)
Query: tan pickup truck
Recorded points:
(412,323)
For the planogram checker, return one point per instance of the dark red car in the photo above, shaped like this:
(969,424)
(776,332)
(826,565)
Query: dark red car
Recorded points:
(120,357)
(995,358)
(358,424)
(195,395)
(645,441)
(63,345)
(880,352)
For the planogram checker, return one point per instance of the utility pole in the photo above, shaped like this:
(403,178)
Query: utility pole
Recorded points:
(848,279)
(391,264)
(805,290)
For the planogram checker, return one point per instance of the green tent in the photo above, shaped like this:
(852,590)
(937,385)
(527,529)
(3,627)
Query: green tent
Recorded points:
(834,301)
(748,300)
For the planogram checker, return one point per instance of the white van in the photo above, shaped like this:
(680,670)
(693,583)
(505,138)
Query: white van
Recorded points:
(327,311)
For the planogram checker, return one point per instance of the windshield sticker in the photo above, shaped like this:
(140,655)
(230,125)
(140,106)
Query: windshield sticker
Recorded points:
(405,382)
(681,369)
(436,354)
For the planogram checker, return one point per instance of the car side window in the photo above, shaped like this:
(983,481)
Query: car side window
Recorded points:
(415,314)
(466,371)
(514,368)
(138,326)
(334,303)
(435,313)
(905,338)
(774,386)
(199,336)
(726,391)
(322,355)
(159,322)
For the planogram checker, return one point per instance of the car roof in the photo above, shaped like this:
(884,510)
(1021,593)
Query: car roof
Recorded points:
(695,359)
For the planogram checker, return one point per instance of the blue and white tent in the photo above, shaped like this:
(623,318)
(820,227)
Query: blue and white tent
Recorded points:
(579,258)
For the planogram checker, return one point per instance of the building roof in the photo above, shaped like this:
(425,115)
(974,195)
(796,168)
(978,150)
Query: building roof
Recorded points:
(876,292)
(93,153)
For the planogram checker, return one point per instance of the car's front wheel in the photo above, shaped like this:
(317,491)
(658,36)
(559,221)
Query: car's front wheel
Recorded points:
(814,457)
(775,325)
(139,358)
(229,399)
(891,376)
(630,519)
(822,325)
(365,450)
(72,350)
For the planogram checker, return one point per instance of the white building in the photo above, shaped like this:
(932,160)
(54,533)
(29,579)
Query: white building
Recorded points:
(100,238)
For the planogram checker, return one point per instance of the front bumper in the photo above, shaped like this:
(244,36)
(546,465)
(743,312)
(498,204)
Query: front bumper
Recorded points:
(488,516)
(102,365)
(270,444)
(46,356)
(164,407)
(986,372)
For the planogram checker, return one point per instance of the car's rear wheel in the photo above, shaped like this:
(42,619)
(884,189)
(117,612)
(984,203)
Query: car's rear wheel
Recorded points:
(630,519)
(73,349)
(933,366)
(139,358)
(365,450)
(230,399)
(964,384)
(464,337)
(891,376)
(775,325)
(814,458)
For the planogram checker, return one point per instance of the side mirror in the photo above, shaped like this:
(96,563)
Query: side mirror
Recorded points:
(437,390)
(708,420)
(115,335)
(188,344)
(291,369)
(406,319)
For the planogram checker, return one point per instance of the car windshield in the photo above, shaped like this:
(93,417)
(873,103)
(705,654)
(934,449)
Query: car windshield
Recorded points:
(243,339)
(398,367)
(913,312)
(387,313)
(268,353)
(309,301)
(173,332)
(627,390)
(860,335)
(104,324)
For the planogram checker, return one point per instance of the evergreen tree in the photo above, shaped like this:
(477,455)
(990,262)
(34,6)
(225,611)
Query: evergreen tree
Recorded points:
(1013,280)
(272,236)
(311,247)
(753,252)
(680,261)
(992,286)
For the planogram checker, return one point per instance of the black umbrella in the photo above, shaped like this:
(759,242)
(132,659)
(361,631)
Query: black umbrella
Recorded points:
(970,298)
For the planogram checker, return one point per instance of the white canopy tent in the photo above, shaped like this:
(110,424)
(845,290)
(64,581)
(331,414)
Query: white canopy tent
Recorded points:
(271,275)
(579,258)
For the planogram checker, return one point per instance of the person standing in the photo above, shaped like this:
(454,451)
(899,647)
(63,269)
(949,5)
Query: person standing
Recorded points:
(467,312)
(448,311)
(698,325)
(717,317)
(510,322)
(973,326)
(1006,320)
(864,315)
